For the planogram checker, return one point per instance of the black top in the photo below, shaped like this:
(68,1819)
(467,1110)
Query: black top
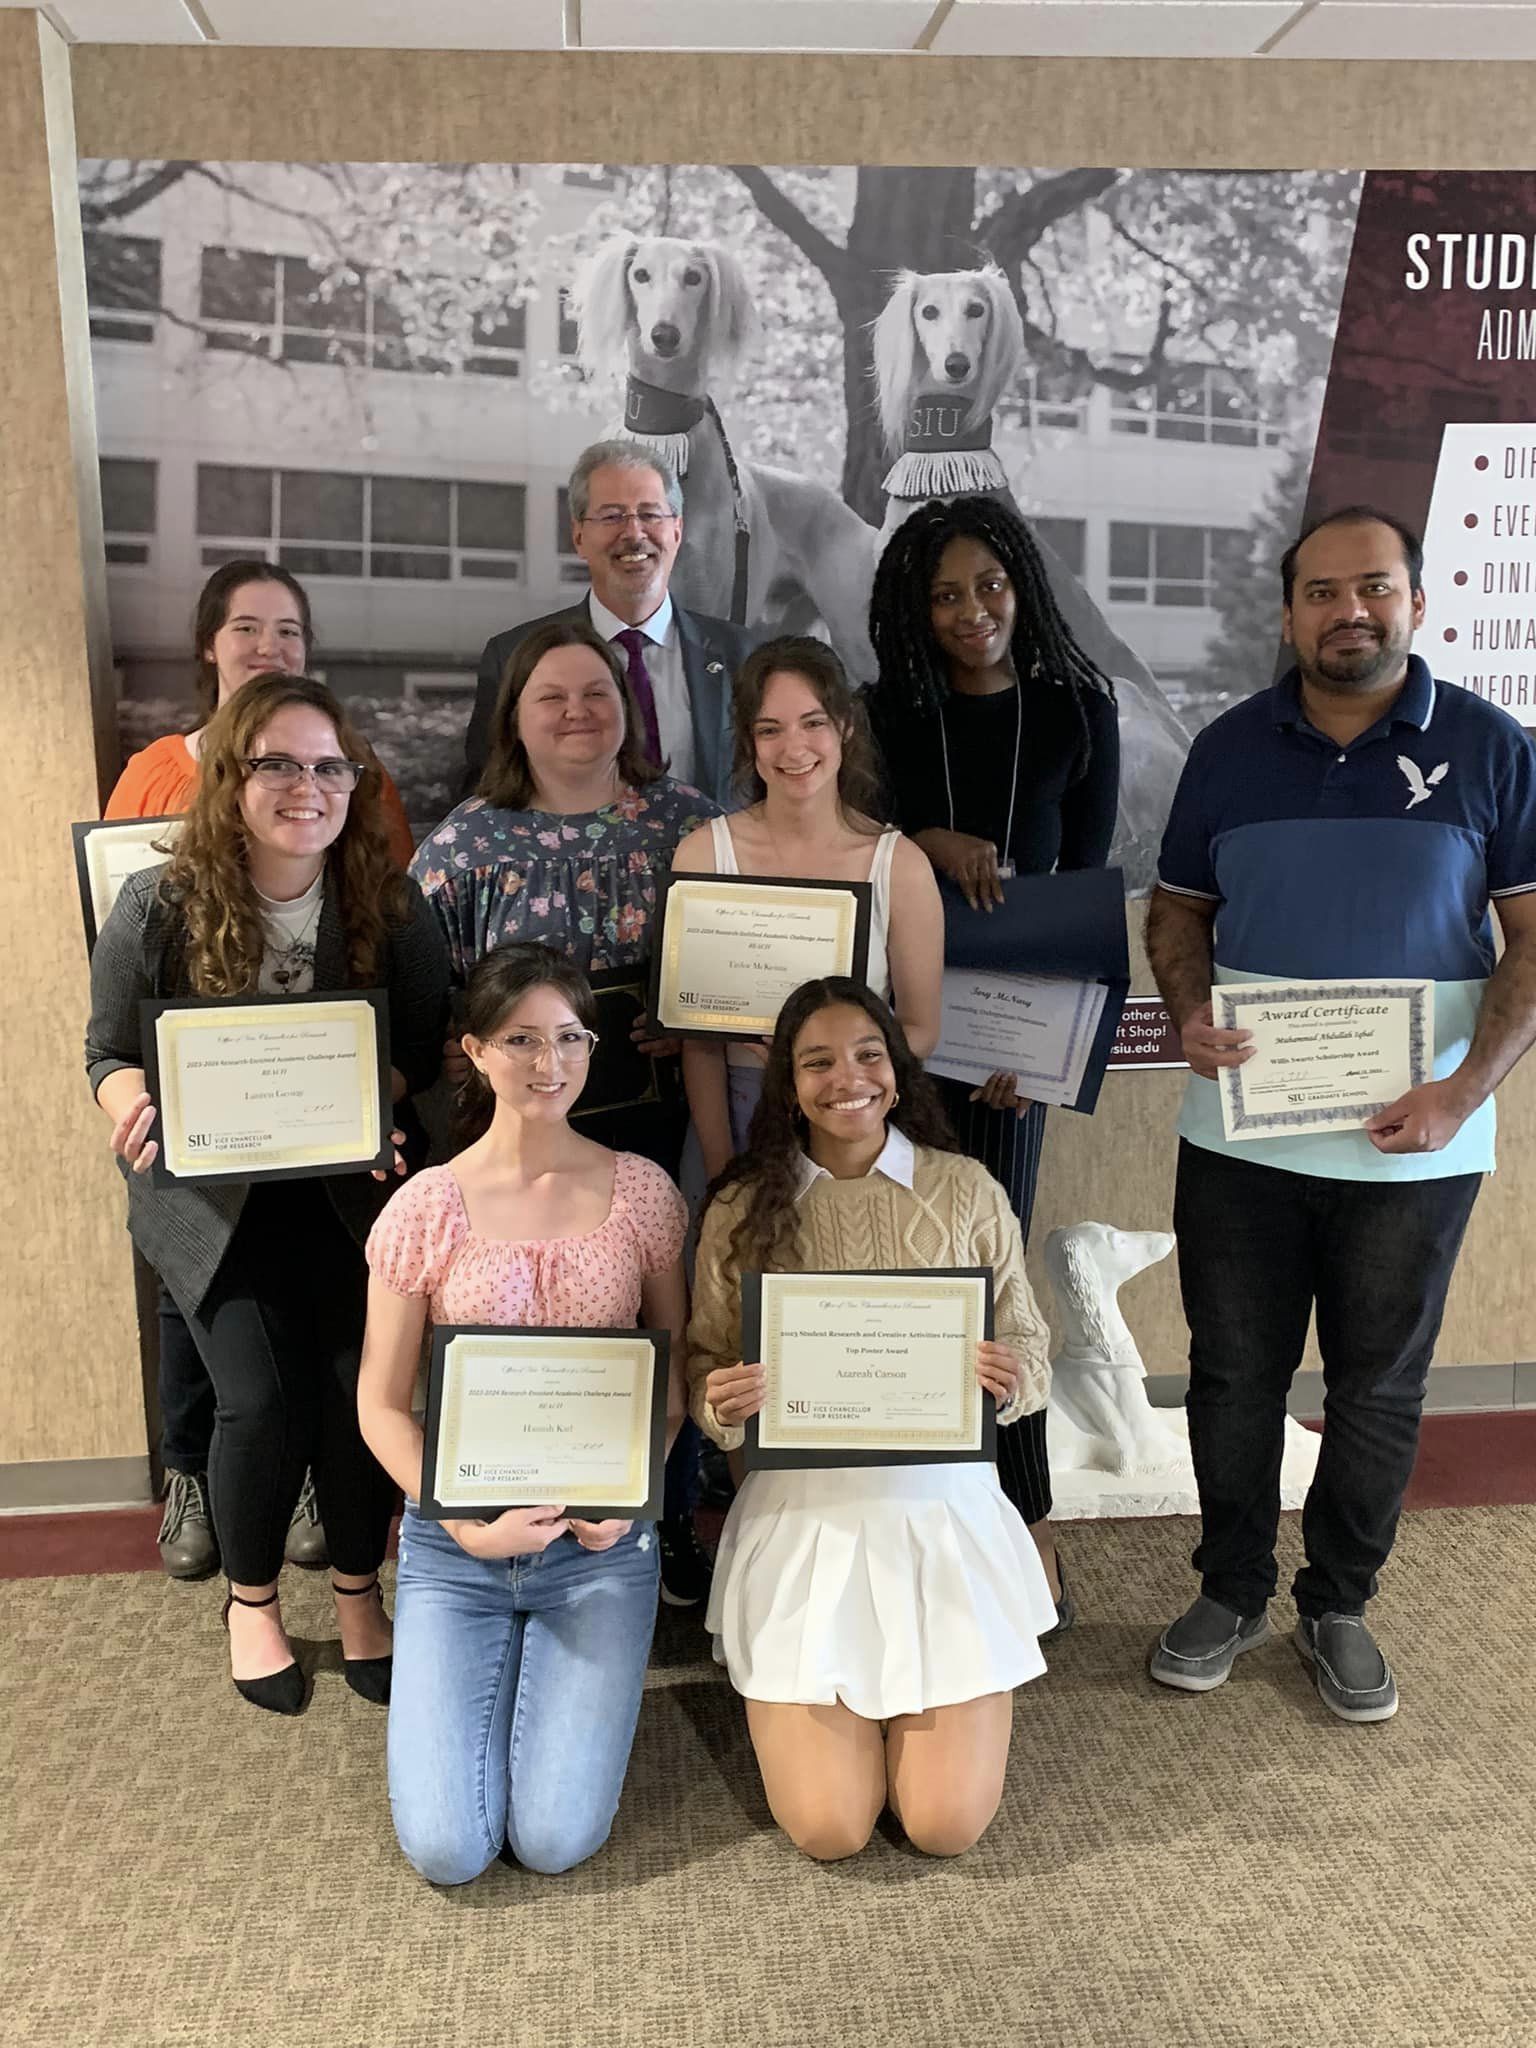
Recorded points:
(1064,811)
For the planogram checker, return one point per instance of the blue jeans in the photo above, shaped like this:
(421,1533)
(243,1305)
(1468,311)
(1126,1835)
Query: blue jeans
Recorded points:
(516,1691)
(1259,1249)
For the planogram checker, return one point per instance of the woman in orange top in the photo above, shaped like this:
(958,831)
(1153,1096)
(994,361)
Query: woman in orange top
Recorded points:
(252,619)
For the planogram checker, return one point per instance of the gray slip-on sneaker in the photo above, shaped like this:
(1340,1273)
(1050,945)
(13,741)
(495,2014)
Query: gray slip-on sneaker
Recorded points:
(1354,1680)
(1196,1653)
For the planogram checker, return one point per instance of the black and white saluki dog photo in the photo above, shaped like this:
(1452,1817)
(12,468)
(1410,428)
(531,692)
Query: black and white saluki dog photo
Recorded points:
(761,545)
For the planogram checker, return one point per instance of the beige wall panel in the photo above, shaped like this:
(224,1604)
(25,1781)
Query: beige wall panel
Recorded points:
(448,107)
(71,1386)
(414,106)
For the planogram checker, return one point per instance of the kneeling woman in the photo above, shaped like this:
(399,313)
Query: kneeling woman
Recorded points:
(876,1619)
(520,1643)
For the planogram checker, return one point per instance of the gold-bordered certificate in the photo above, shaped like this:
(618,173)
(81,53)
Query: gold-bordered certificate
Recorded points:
(734,948)
(107,852)
(532,1418)
(869,1368)
(268,1087)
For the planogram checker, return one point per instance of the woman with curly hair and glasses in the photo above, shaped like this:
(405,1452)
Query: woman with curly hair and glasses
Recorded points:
(1002,755)
(252,618)
(876,1618)
(804,763)
(281,882)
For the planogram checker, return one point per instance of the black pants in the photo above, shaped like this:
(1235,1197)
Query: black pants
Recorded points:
(1008,1146)
(281,1333)
(1259,1248)
(186,1393)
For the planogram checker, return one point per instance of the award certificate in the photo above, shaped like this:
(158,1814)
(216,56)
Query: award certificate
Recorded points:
(532,1418)
(268,1086)
(1327,1054)
(1040,1027)
(869,1368)
(107,853)
(733,948)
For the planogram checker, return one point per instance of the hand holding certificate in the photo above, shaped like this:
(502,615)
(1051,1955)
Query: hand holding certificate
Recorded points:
(533,1418)
(1327,1055)
(870,1368)
(1040,1028)
(734,948)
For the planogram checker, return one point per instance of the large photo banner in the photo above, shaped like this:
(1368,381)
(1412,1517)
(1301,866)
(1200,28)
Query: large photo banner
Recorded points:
(380,374)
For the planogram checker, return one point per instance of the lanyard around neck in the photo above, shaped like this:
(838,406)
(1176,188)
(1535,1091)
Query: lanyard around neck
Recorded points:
(1004,853)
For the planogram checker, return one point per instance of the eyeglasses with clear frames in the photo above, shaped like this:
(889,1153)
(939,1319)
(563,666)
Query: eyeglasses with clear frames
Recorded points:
(613,519)
(527,1048)
(280,771)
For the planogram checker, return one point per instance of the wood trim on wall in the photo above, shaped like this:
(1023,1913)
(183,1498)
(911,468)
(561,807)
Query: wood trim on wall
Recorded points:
(449,106)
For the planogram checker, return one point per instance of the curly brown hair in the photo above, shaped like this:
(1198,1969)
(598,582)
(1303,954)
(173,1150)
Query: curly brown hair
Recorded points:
(209,880)
(796,654)
(508,779)
(764,1238)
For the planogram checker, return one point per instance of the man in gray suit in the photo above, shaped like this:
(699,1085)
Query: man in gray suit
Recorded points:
(627,525)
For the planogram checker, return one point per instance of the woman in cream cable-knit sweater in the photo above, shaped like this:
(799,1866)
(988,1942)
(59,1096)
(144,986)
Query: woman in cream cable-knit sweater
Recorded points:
(876,1618)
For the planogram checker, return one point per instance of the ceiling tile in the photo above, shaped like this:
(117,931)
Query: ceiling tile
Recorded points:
(753,24)
(390,24)
(1390,28)
(1110,28)
(125,21)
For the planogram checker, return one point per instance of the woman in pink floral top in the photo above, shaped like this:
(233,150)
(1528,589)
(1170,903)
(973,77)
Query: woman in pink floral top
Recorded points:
(520,1643)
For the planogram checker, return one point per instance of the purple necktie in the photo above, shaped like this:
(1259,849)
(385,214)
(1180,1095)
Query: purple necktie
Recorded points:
(632,640)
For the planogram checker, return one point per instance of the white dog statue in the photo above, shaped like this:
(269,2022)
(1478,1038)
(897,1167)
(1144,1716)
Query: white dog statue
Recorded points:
(1100,1419)
(1111,1451)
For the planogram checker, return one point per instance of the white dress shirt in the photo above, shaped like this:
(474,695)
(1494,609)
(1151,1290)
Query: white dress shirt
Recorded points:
(669,684)
(896,1162)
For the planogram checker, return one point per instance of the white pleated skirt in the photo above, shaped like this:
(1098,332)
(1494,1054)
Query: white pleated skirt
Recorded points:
(890,1588)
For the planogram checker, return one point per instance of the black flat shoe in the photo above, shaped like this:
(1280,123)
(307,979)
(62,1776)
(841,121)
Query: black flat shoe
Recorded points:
(280,1692)
(369,1677)
(1066,1606)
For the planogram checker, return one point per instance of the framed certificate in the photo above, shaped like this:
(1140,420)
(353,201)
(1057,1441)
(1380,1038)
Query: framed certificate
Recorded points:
(620,1076)
(734,948)
(268,1087)
(107,852)
(532,1418)
(1040,1027)
(869,1368)
(1327,1054)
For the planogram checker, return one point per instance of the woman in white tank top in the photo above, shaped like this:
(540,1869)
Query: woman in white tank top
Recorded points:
(802,751)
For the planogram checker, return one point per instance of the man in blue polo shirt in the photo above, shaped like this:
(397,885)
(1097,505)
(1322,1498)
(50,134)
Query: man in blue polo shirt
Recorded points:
(1352,822)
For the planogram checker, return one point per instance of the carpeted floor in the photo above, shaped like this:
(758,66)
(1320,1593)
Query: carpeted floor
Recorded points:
(1166,1872)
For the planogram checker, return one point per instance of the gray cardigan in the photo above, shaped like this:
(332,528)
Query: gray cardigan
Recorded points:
(184,1231)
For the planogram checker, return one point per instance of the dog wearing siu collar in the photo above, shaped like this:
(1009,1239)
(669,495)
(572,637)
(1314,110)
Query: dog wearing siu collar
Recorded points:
(761,546)
(947,346)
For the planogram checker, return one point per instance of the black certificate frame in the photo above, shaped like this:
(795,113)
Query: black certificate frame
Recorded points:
(383,1159)
(620,1075)
(431,1509)
(761,1458)
(863,895)
(81,834)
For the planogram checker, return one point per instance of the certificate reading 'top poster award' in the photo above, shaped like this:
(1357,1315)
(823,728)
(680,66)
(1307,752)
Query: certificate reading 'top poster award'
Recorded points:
(869,1368)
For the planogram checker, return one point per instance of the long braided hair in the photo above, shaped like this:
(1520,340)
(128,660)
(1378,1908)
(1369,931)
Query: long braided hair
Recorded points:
(765,1233)
(913,677)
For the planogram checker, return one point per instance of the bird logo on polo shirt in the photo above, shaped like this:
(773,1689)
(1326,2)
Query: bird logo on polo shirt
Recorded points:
(1421,787)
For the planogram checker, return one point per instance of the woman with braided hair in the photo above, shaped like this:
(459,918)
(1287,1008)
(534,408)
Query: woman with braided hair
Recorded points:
(1002,756)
